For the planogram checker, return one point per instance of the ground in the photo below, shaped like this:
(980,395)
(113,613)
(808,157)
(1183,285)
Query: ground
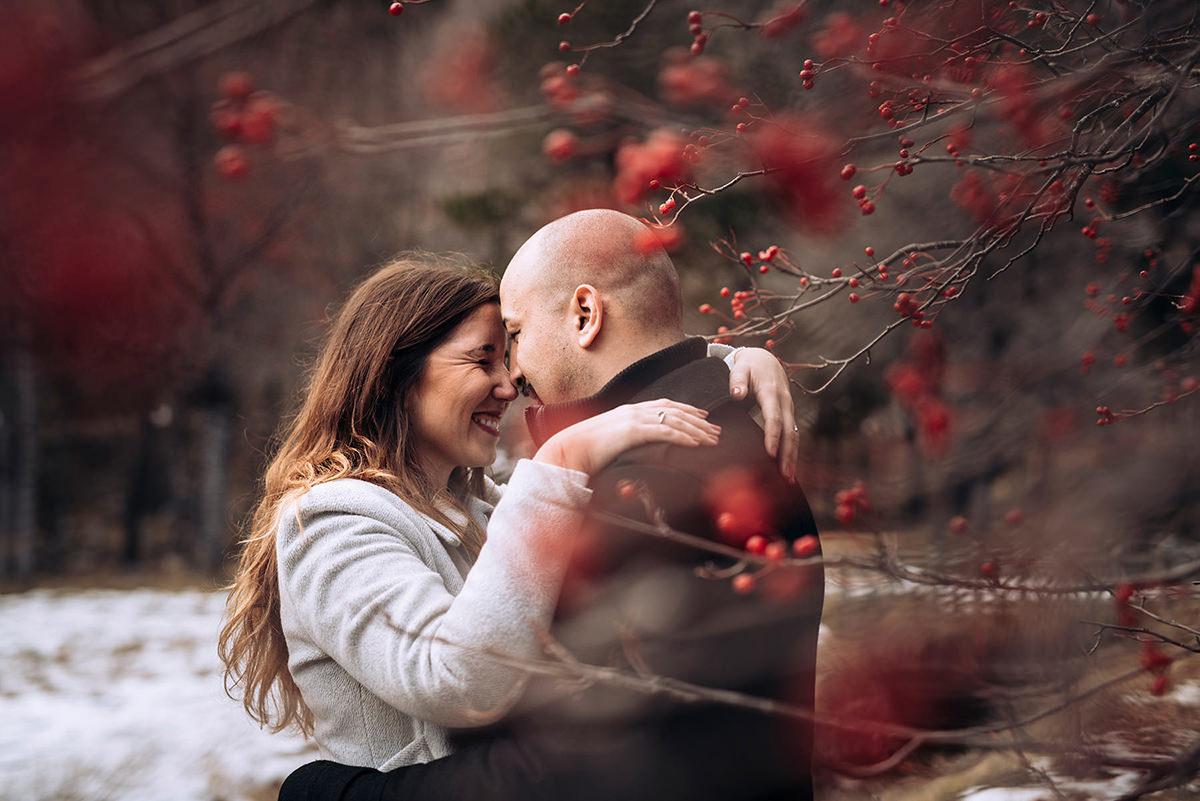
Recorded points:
(116,694)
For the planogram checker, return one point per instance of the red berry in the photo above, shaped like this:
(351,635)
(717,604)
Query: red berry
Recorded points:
(725,292)
(853,297)
(693,17)
(775,551)
(726,523)
(870,251)
(848,172)
(231,162)
(988,569)
(560,145)
(396,9)
(805,547)
(226,120)
(564,18)
(564,46)
(743,584)
(706,308)
(627,490)
(867,207)
(572,70)
(756,545)
(237,86)
(837,272)
(258,123)
(859,192)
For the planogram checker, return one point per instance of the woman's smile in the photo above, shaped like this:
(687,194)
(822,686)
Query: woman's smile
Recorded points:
(488,421)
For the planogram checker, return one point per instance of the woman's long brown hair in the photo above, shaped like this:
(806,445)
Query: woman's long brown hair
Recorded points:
(352,423)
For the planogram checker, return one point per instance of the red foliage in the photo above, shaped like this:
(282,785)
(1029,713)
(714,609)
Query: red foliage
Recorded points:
(659,158)
(461,77)
(736,498)
(687,81)
(805,168)
(781,19)
(916,384)
(974,194)
(669,238)
(1020,106)
(842,35)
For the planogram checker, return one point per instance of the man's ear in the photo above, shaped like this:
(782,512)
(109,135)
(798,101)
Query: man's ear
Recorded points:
(588,312)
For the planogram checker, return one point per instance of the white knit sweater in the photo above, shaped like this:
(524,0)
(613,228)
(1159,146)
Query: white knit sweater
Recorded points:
(382,693)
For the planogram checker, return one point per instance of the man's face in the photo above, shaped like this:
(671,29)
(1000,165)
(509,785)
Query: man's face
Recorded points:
(542,356)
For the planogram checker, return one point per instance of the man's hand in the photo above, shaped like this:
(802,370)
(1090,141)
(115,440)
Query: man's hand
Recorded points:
(756,371)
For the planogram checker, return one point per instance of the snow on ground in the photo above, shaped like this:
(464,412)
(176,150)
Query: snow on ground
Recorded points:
(110,694)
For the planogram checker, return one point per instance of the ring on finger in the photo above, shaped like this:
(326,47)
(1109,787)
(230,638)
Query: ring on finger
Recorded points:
(662,415)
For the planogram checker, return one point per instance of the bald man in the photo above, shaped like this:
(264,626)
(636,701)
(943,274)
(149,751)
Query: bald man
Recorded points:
(596,322)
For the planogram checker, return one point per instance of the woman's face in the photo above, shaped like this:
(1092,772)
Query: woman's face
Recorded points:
(462,394)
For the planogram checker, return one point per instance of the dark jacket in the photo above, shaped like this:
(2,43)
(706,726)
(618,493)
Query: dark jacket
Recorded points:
(633,602)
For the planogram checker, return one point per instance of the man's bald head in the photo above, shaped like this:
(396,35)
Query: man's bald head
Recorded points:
(569,338)
(612,252)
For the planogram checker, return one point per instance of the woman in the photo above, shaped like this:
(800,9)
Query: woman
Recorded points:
(368,598)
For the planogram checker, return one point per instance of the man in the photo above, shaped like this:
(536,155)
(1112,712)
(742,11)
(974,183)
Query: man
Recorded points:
(596,323)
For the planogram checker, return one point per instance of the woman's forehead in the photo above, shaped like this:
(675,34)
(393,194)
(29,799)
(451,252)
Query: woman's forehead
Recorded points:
(480,326)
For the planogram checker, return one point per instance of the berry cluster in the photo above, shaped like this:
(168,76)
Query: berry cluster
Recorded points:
(851,503)
(695,23)
(242,116)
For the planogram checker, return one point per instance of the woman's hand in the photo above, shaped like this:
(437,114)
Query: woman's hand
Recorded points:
(588,446)
(758,372)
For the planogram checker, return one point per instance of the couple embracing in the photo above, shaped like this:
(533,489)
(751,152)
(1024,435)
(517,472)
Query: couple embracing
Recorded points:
(558,637)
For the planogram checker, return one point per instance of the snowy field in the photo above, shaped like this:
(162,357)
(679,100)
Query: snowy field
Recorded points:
(117,695)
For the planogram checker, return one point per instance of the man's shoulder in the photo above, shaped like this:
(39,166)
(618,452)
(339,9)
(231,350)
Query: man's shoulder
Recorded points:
(701,382)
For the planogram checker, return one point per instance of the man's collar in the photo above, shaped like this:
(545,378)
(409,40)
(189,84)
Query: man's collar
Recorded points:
(546,421)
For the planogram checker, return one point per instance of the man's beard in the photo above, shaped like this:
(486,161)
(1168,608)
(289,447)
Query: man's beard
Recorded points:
(527,391)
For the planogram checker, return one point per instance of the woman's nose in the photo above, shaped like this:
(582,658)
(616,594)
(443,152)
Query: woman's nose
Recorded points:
(505,389)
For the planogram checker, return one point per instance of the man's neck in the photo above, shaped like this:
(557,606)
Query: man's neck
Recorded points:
(614,364)
(545,421)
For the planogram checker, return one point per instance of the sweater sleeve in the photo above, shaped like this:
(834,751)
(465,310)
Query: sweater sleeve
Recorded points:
(366,597)
(724,352)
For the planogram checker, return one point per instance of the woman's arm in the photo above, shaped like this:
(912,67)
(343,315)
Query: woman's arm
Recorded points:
(365,594)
